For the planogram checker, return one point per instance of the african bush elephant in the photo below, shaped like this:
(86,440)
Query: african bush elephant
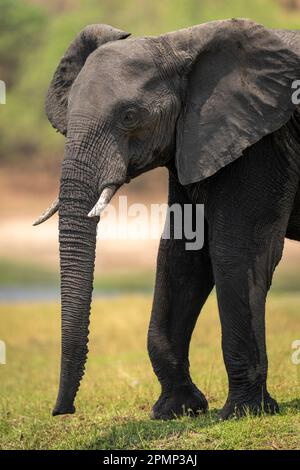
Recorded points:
(213,103)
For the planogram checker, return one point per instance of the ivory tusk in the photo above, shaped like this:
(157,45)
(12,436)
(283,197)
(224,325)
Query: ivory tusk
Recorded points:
(103,200)
(48,213)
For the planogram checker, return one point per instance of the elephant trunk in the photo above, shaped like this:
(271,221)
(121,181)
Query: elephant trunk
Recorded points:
(77,239)
(84,174)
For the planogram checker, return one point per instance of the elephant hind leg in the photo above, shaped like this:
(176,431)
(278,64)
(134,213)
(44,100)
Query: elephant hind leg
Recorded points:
(249,206)
(184,280)
(244,261)
(243,279)
(293,228)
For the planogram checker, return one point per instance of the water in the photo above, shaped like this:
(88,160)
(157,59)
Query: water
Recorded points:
(46,294)
(23,294)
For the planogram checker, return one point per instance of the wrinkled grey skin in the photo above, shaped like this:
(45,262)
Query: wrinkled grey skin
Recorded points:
(213,104)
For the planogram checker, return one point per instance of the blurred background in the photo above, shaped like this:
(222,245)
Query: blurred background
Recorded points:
(34,35)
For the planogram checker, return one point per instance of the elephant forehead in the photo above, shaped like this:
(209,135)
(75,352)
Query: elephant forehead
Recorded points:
(122,60)
(114,73)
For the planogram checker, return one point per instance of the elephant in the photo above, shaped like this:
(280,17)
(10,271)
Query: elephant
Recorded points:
(213,104)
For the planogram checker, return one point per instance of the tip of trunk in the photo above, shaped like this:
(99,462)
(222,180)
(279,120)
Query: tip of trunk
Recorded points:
(61,410)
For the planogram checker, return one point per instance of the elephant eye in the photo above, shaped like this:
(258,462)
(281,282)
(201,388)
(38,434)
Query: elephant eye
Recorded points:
(132,117)
(129,118)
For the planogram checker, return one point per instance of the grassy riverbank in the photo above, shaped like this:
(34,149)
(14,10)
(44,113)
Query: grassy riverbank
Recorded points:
(119,388)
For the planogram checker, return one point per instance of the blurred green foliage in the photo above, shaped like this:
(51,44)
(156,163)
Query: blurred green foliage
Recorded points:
(34,35)
(19,25)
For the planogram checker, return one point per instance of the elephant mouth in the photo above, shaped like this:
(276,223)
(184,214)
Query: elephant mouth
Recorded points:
(106,194)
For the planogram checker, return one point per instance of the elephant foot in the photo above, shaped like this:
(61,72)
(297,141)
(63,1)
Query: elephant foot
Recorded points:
(63,410)
(256,406)
(182,400)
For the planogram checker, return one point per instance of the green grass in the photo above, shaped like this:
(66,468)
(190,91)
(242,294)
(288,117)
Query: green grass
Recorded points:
(119,387)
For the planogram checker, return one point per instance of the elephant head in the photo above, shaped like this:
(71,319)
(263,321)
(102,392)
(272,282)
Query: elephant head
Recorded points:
(199,96)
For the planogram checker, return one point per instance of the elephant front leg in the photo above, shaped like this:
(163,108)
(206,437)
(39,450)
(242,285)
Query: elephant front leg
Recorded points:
(184,280)
(243,276)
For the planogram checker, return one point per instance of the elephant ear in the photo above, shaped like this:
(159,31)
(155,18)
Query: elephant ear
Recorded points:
(89,39)
(238,89)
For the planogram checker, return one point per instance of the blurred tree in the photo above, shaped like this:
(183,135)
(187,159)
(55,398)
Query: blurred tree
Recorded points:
(291,4)
(56,6)
(19,25)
